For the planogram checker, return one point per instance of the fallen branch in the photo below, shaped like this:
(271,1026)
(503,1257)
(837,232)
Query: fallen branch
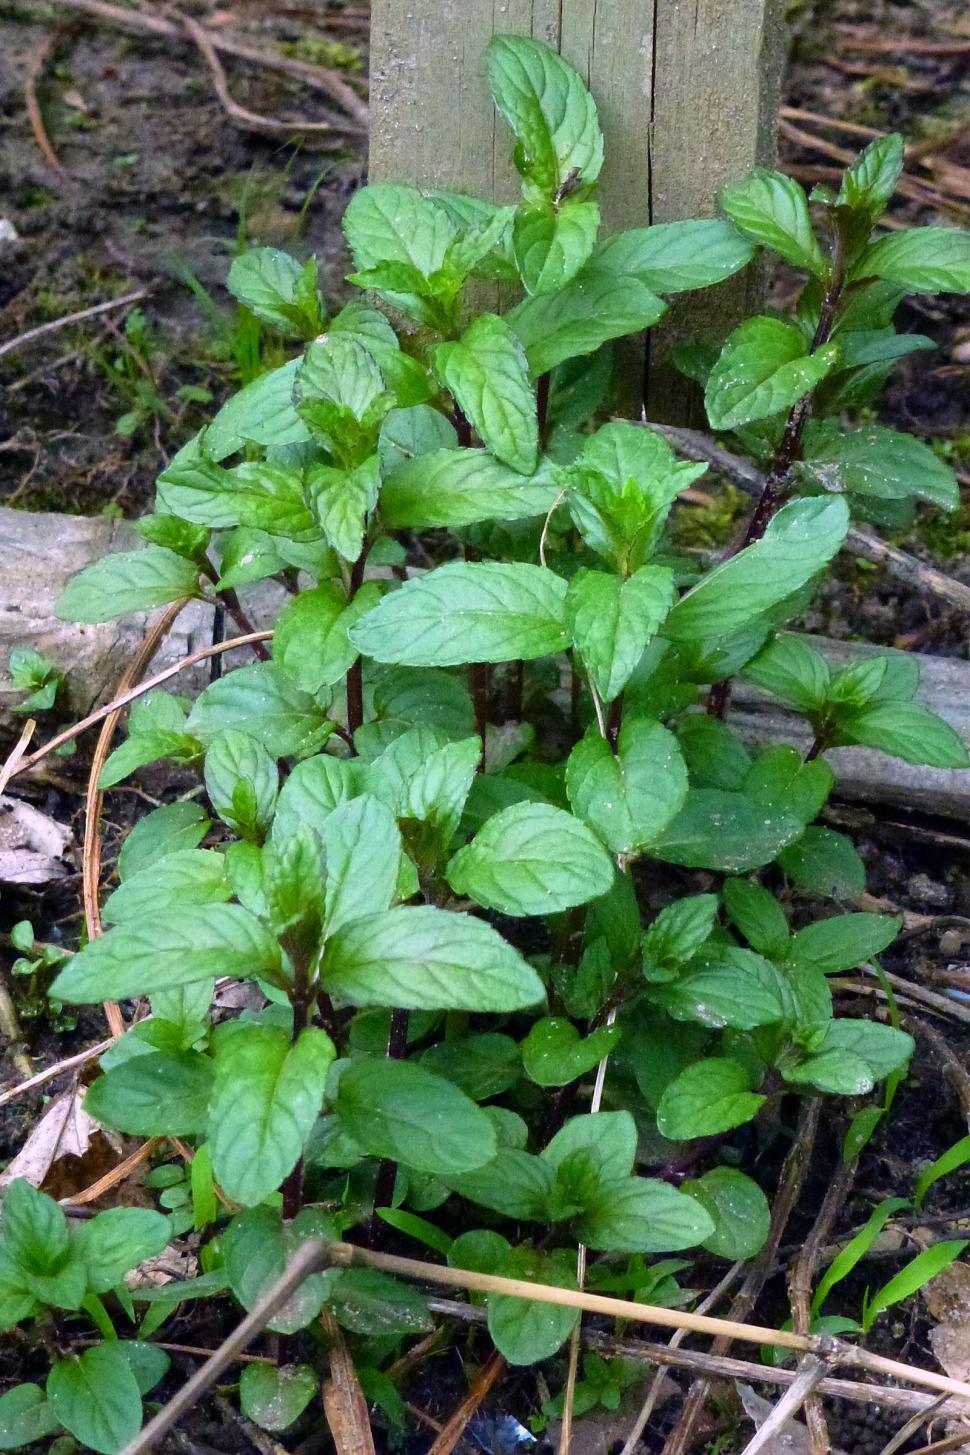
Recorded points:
(858,542)
(790,1183)
(101,713)
(809,1377)
(723,1366)
(452,1431)
(69,318)
(317,77)
(241,116)
(653,1393)
(42,1077)
(91,852)
(343,1399)
(35,69)
(317,1254)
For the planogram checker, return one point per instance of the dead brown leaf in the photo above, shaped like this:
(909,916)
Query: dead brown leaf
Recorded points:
(32,844)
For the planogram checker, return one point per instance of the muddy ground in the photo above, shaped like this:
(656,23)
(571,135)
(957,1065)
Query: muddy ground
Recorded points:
(157,189)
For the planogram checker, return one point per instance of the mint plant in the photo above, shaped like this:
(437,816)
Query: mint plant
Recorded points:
(440,810)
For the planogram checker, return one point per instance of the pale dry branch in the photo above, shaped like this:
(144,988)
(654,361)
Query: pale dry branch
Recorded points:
(70,318)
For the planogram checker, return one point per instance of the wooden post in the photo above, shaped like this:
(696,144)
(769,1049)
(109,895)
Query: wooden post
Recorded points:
(687,92)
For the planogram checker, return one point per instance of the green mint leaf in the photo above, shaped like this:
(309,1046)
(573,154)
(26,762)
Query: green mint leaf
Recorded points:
(422,958)
(131,581)
(677,934)
(871,180)
(531,859)
(482,1066)
(262,413)
(791,670)
(907,730)
(461,487)
(362,850)
(278,289)
(552,243)
(825,864)
(366,1301)
(724,986)
(763,368)
(845,941)
(739,1209)
(642,1215)
(722,830)
(514,1183)
(95,1396)
(597,305)
(611,621)
(161,1094)
(773,210)
(266,1097)
(674,257)
(164,831)
(34,1229)
(407,433)
(715,755)
(548,109)
(461,612)
(850,1057)
(180,536)
(163,951)
(256,494)
(274,1396)
(881,463)
(487,373)
(340,395)
(116,1241)
(921,260)
(234,762)
(711,1096)
(782,783)
(401,1110)
(630,796)
(523,1331)
(758,915)
(310,642)
(311,793)
(801,539)
(389,223)
(262,701)
(142,748)
(256,1247)
(554,1053)
(25,1416)
(341,501)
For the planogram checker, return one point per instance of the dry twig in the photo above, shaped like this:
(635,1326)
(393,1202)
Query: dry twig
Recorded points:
(91,853)
(318,77)
(241,116)
(343,1399)
(42,1077)
(111,1179)
(100,713)
(37,60)
(789,1190)
(69,318)
(800,1289)
(653,1393)
(810,1373)
(453,1430)
(722,1366)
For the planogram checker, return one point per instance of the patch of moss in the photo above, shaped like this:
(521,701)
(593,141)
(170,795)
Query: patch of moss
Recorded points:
(336,55)
(706,527)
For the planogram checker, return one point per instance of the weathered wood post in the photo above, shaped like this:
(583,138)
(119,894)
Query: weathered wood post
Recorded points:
(687,91)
